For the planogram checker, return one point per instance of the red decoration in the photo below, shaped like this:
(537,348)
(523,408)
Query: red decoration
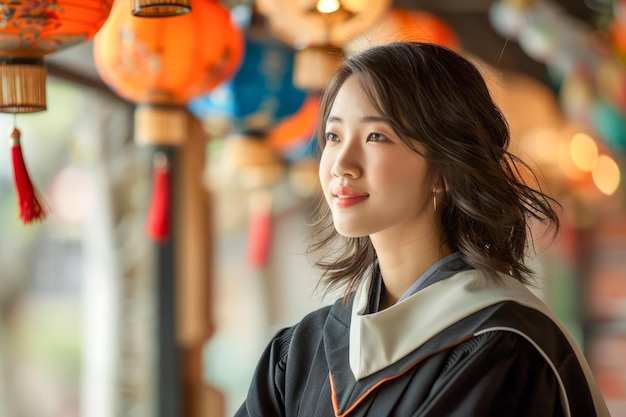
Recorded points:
(259,228)
(158,223)
(29,206)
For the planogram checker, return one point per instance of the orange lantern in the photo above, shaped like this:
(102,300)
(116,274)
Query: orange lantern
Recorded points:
(406,25)
(295,130)
(29,30)
(161,64)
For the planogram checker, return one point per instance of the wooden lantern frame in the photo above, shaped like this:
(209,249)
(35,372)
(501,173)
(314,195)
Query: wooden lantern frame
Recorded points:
(160,8)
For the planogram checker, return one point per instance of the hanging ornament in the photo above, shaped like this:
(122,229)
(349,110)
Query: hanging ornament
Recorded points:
(318,30)
(260,94)
(257,170)
(162,64)
(160,8)
(259,228)
(30,208)
(158,223)
(30,30)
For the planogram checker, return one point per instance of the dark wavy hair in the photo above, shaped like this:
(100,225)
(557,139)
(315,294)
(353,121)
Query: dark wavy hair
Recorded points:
(434,96)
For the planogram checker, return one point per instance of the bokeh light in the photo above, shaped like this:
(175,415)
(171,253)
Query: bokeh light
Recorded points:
(584,151)
(606,175)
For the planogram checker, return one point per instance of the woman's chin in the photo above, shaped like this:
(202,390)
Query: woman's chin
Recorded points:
(351,233)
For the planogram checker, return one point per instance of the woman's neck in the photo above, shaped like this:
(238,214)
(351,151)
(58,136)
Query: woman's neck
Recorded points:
(403,261)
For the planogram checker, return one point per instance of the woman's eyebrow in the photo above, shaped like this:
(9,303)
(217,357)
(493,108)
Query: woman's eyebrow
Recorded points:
(369,119)
(375,119)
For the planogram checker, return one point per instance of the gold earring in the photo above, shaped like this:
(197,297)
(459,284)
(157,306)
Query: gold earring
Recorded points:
(435,202)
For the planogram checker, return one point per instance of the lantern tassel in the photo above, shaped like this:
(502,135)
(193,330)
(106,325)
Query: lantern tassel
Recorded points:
(30,208)
(259,228)
(158,221)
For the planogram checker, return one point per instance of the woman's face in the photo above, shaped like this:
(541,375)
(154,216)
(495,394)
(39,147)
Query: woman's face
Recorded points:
(373,183)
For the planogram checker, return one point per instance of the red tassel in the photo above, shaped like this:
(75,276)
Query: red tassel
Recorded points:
(259,228)
(30,208)
(158,222)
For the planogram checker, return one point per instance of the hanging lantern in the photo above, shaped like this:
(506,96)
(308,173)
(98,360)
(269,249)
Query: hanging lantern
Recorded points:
(160,8)
(259,95)
(294,136)
(319,29)
(162,64)
(30,30)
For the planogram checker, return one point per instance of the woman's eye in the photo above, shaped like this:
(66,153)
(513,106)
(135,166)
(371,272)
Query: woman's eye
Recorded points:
(331,137)
(376,137)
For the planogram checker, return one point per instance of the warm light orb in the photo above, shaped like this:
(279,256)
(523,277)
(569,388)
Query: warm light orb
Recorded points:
(584,151)
(606,175)
(566,165)
(327,6)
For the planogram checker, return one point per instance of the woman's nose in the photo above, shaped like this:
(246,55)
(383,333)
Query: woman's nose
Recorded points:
(347,162)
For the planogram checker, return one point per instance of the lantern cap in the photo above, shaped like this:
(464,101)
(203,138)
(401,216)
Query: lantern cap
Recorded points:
(23,87)
(160,8)
(160,124)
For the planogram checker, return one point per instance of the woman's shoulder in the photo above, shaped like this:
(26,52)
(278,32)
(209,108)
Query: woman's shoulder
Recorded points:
(309,326)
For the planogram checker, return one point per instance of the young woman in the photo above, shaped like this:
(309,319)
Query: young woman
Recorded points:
(427,225)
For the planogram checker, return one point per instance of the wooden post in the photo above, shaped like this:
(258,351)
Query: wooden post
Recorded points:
(194,267)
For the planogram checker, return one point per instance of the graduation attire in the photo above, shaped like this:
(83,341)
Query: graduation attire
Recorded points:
(456,344)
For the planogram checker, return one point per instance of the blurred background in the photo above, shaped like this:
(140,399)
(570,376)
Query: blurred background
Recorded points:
(154,216)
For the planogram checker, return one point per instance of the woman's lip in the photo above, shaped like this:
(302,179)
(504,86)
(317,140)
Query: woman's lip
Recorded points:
(346,197)
(343,201)
(345,192)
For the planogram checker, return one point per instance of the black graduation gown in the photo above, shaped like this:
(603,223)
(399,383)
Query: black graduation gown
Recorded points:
(466,348)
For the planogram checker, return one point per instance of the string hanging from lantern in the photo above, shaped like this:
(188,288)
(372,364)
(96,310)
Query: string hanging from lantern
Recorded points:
(30,209)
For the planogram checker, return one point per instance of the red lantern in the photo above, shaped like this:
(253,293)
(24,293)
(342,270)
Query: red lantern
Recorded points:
(163,63)
(29,30)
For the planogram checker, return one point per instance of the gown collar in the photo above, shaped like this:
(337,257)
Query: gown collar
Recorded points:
(441,269)
(380,339)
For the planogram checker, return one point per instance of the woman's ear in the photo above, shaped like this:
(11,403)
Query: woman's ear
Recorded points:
(440,186)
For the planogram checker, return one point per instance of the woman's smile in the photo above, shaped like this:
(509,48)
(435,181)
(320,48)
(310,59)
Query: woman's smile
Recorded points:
(346,197)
